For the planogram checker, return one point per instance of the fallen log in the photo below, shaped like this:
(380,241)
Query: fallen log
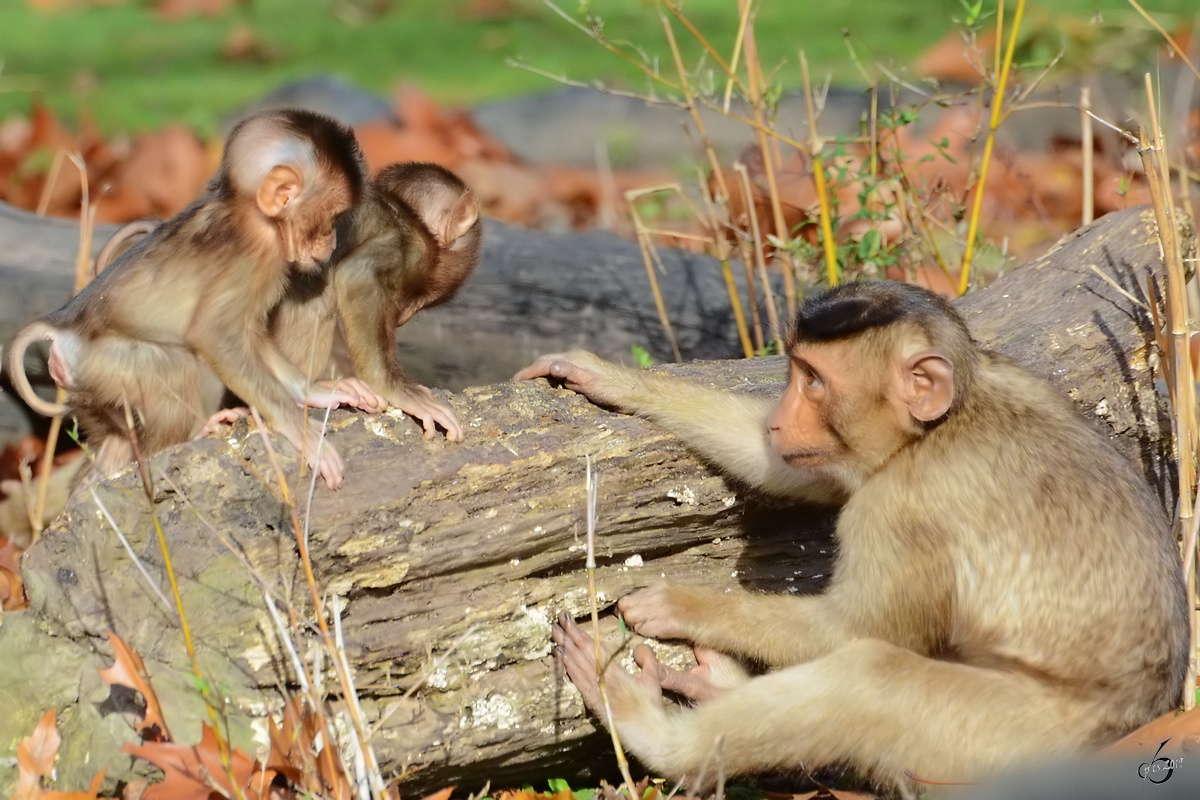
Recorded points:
(450,561)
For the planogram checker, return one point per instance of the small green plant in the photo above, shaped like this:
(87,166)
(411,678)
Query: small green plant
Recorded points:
(641,356)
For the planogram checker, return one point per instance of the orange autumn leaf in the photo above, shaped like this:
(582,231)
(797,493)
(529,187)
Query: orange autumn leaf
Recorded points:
(191,772)
(12,591)
(35,758)
(128,670)
(92,792)
(296,756)
(35,761)
(10,556)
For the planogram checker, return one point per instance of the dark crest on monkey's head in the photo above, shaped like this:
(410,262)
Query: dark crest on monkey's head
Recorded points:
(335,144)
(856,310)
(853,308)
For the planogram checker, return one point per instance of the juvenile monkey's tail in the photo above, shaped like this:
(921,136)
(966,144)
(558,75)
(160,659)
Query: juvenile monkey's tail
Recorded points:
(113,247)
(33,332)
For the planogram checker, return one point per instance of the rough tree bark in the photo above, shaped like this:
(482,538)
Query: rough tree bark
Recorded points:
(430,543)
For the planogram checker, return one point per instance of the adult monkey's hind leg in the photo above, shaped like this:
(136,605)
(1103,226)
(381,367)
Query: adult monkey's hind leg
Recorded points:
(882,710)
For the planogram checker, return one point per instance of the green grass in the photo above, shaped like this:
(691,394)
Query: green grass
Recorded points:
(128,69)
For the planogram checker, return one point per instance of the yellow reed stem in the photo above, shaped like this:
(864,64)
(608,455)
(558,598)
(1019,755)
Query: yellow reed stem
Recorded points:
(997,105)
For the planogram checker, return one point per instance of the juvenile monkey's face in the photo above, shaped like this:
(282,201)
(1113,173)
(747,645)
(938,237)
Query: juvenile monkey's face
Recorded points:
(320,248)
(310,235)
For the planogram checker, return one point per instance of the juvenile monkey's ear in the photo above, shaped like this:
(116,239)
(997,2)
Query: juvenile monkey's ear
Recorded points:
(460,219)
(928,385)
(282,185)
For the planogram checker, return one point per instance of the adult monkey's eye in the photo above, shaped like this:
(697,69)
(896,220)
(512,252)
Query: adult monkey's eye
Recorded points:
(811,379)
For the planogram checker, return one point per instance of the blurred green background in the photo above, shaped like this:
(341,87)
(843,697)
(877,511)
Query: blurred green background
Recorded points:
(127,67)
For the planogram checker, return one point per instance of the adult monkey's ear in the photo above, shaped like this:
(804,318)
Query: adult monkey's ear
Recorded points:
(282,185)
(928,385)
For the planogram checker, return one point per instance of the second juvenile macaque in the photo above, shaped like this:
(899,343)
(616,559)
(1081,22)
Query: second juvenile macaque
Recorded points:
(412,243)
(1006,587)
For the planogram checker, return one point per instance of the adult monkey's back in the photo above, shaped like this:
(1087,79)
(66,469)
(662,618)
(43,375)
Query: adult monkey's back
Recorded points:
(1006,586)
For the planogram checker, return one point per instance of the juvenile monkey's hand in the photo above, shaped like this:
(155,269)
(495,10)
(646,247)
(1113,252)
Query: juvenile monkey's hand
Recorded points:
(324,459)
(329,398)
(226,416)
(419,402)
(365,398)
(658,612)
(591,376)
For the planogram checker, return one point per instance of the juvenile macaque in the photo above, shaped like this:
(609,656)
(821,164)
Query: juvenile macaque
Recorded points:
(1006,587)
(412,243)
(196,293)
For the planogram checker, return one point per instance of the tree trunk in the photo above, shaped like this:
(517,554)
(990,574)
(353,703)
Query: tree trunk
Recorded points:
(481,543)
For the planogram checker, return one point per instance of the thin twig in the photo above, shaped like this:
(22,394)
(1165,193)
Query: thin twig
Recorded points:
(51,179)
(286,640)
(1162,32)
(818,170)
(1089,175)
(87,217)
(343,675)
(591,489)
(365,778)
(759,259)
(964,277)
(650,258)
(1179,356)
(137,562)
(1117,288)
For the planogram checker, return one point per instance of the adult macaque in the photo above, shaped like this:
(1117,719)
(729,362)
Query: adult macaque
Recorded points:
(411,244)
(196,293)
(1006,587)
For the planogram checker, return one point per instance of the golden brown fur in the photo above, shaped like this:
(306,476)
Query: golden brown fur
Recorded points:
(1006,585)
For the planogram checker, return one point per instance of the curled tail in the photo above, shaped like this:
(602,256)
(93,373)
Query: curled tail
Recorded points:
(33,332)
(113,246)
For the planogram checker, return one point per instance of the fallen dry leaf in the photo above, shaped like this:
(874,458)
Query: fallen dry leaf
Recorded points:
(12,591)
(296,756)
(952,58)
(176,9)
(190,772)
(163,172)
(128,670)
(35,758)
